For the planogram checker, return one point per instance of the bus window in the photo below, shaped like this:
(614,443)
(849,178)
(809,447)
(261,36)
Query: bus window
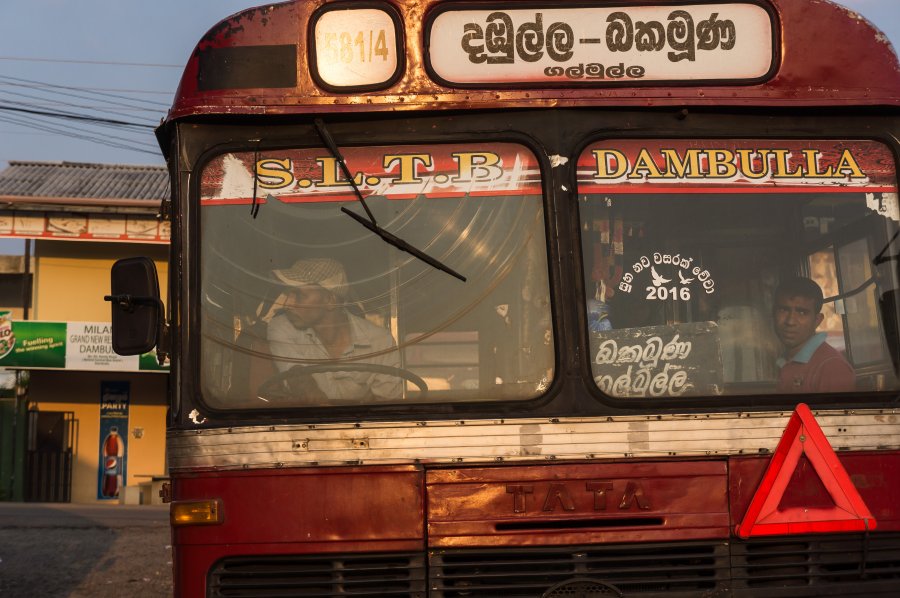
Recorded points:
(737,268)
(303,306)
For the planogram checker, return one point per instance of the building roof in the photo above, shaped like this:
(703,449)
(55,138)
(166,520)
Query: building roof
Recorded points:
(68,181)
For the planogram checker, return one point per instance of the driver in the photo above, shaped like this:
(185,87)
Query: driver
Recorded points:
(314,324)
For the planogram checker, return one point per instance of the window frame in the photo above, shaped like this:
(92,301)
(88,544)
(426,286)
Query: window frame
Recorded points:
(712,403)
(310,140)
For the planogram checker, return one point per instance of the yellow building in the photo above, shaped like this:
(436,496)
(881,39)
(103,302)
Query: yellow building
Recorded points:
(74,221)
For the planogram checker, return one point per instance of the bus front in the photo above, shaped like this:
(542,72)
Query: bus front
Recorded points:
(457,313)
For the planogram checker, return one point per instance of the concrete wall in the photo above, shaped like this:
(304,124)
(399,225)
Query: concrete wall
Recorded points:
(70,279)
(13,264)
(79,392)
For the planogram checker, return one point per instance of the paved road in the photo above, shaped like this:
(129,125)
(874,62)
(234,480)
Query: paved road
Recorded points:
(84,551)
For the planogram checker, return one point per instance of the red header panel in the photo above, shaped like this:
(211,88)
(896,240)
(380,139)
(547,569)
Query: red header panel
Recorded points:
(395,172)
(297,58)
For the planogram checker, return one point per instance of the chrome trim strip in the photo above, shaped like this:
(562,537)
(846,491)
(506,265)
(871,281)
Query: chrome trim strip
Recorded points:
(485,441)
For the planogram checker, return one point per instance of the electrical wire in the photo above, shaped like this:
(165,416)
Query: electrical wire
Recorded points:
(68,115)
(49,103)
(94,98)
(45,110)
(84,135)
(17,81)
(104,62)
(53,106)
(63,127)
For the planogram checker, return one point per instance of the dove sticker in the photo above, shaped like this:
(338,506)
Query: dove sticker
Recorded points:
(672,277)
(657,279)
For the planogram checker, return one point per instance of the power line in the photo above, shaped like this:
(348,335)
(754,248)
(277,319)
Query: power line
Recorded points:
(50,103)
(72,130)
(148,91)
(8,132)
(46,103)
(81,136)
(41,84)
(43,102)
(104,62)
(99,89)
(32,112)
(92,97)
(31,116)
(66,115)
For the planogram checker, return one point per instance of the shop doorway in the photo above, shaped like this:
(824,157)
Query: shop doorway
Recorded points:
(48,464)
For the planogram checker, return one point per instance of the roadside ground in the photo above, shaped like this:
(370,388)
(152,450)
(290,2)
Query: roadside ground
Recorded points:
(84,551)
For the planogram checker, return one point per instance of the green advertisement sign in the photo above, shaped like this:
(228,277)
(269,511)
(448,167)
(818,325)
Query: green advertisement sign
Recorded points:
(36,345)
(83,346)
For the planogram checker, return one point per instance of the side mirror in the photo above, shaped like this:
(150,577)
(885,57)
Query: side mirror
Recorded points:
(136,308)
(889,315)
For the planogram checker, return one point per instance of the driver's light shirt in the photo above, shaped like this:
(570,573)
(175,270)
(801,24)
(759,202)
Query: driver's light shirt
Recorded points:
(286,340)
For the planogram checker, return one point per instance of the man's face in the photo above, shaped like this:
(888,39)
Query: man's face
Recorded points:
(796,320)
(307,306)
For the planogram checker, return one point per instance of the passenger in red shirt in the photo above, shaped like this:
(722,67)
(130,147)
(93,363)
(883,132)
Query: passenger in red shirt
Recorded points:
(809,364)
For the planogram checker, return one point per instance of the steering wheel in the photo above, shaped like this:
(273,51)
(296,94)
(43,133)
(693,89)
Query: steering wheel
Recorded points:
(274,384)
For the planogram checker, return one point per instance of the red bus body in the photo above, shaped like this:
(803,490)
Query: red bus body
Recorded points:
(643,500)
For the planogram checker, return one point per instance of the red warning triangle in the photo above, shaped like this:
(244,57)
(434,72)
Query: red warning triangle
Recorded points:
(803,436)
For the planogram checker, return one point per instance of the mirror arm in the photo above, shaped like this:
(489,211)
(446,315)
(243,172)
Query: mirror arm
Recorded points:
(128,302)
(162,340)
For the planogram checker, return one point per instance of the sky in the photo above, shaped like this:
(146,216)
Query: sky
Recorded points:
(122,59)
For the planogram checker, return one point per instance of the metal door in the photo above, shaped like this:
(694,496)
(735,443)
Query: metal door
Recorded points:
(48,465)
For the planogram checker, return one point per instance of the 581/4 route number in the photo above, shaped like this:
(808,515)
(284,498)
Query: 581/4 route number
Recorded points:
(363,47)
(356,47)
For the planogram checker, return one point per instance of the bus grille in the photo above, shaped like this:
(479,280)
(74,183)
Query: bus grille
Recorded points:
(692,568)
(387,575)
(840,565)
(864,566)
(847,565)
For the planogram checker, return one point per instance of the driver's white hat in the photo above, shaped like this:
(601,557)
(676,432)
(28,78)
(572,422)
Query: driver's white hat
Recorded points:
(324,272)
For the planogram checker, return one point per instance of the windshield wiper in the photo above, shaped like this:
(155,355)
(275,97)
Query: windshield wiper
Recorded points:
(370,222)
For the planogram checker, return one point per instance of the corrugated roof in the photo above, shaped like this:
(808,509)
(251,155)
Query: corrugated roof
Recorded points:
(84,180)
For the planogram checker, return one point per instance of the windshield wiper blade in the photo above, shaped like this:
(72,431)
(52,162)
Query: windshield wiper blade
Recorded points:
(403,245)
(371,223)
(326,138)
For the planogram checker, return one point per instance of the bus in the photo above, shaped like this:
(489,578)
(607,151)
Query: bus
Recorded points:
(518,298)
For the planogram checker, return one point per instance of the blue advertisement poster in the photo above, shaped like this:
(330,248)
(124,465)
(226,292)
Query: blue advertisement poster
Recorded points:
(114,401)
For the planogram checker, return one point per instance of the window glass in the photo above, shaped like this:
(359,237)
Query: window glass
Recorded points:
(823,270)
(865,340)
(723,267)
(303,305)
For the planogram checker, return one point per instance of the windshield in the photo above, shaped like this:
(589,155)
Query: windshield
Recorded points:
(738,267)
(302,306)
